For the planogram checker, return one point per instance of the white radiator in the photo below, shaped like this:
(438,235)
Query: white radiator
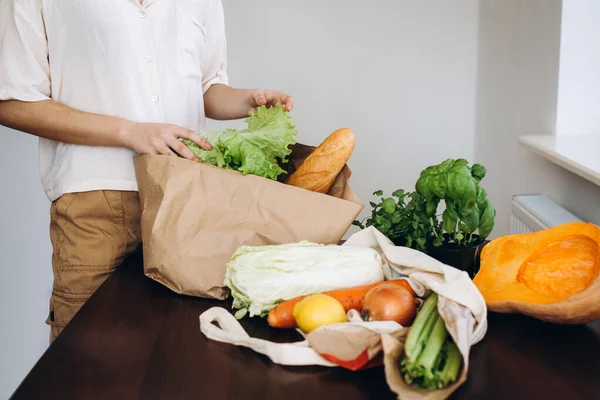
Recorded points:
(534,212)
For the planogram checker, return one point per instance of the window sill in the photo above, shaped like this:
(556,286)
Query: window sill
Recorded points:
(578,154)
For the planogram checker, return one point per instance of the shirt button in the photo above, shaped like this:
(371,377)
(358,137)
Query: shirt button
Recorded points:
(155,98)
(148,58)
(143,14)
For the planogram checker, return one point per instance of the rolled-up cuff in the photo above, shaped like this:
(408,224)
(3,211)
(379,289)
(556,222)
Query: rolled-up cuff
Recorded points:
(220,78)
(22,95)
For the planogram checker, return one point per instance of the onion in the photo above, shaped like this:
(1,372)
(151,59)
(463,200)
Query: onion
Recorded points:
(389,302)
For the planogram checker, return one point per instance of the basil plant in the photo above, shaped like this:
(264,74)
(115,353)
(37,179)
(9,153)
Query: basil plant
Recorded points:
(469,215)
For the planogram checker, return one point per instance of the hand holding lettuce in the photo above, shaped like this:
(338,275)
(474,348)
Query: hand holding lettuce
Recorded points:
(264,146)
(256,150)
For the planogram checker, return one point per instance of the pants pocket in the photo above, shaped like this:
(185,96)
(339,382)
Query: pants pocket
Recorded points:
(58,221)
(88,230)
(62,309)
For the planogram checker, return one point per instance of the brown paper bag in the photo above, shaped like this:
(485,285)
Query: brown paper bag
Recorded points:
(194,217)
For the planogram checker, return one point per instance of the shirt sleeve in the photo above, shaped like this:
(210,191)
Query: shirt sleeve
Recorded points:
(24,66)
(214,68)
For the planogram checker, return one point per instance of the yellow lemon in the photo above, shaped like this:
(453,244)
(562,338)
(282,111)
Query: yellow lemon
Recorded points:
(317,310)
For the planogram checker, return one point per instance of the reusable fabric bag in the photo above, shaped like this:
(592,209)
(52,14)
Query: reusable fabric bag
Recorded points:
(357,344)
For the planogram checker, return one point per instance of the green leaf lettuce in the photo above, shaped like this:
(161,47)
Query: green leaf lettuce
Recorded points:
(256,150)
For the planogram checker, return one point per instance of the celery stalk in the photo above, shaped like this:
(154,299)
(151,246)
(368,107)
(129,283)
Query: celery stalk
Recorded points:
(416,335)
(431,358)
(449,373)
(431,352)
(414,368)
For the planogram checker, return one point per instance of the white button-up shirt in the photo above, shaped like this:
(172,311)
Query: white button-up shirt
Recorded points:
(149,62)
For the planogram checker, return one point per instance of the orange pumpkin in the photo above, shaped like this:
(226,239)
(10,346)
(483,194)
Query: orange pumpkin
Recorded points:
(552,274)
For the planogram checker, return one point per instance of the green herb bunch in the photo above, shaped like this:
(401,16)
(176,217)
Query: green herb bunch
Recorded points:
(411,218)
(402,217)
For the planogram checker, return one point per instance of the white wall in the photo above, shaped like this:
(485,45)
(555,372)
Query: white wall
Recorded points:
(400,74)
(25,254)
(579,81)
(519,43)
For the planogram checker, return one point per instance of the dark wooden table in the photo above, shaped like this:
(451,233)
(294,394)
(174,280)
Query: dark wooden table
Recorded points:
(135,339)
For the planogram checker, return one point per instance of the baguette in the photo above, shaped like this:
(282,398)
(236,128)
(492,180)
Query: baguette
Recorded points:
(319,170)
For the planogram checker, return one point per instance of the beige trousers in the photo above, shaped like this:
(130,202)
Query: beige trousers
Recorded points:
(91,234)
